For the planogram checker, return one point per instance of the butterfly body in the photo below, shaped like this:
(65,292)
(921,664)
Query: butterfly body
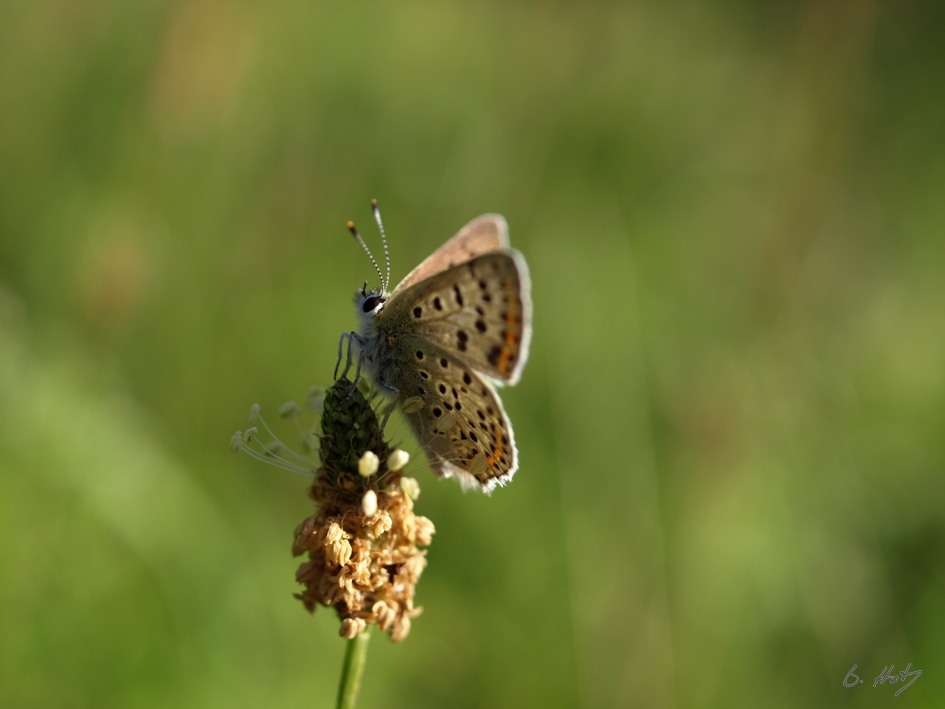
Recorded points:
(454,327)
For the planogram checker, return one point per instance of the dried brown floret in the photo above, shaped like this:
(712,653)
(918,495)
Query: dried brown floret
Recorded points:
(364,565)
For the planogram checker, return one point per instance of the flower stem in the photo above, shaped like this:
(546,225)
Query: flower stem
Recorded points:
(351,671)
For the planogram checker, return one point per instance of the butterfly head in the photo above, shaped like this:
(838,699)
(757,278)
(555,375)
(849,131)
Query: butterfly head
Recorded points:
(369,303)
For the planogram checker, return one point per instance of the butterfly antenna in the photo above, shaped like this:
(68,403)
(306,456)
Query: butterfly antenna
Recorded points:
(357,236)
(380,225)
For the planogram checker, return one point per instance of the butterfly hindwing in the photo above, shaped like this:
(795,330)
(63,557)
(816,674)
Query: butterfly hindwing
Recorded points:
(461,424)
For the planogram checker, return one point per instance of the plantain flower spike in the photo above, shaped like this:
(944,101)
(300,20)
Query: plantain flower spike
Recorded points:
(363,544)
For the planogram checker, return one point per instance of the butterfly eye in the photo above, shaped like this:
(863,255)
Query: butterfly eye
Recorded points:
(371,303)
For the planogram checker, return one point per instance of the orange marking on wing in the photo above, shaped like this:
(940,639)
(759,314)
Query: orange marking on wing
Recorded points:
(505,360)
(500,447)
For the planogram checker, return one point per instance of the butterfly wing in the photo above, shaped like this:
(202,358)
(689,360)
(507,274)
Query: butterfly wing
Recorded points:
(459,320)
(490,232)
(461,425)
(479,313)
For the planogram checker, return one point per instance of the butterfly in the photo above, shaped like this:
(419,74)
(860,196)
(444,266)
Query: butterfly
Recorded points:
(455,328)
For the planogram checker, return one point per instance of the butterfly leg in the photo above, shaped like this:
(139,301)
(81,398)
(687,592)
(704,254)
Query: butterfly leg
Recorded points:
(390,408)
(357,338)
(341,342)
(357,372)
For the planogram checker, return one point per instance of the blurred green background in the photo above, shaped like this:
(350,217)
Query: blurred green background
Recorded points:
(732,427)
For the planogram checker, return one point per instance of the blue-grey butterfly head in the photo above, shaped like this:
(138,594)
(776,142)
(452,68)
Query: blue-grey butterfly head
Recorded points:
(368,303)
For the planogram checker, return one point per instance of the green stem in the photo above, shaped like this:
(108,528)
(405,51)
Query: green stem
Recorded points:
(351,671)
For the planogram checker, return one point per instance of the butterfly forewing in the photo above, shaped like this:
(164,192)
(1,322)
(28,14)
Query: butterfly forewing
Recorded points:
(482,235)
(478,312)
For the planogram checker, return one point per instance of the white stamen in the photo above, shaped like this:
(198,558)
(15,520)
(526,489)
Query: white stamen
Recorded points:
(289,410)
(315,401)
(368,464)
(410,487)
(397,460)
(445,422)
(412,405)
(369,503)
(479,464)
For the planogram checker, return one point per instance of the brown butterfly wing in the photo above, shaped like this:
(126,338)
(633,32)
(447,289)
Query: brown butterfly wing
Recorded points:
(461,425)
(478,312)
(490,232)
(463,313)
